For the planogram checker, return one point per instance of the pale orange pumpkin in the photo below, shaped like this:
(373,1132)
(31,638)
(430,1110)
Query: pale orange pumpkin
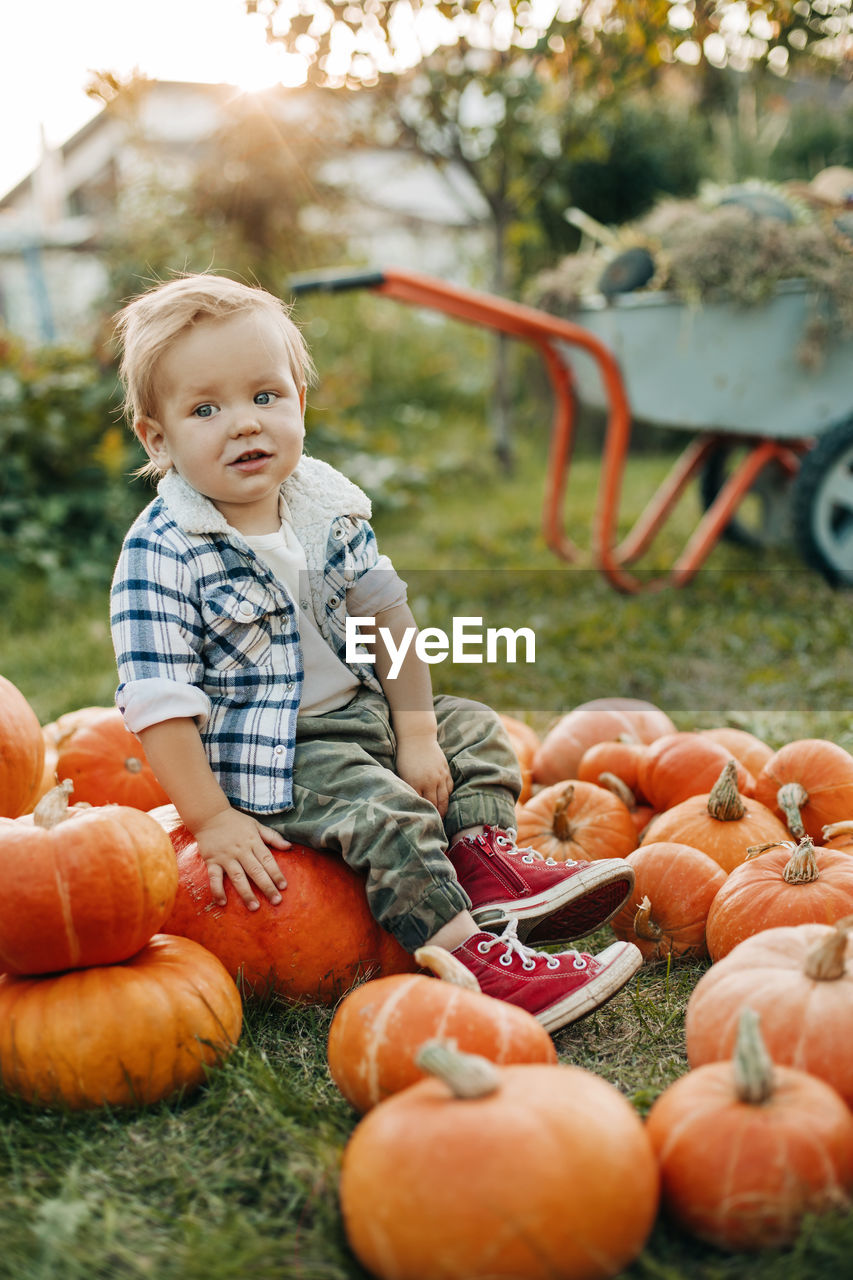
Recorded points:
(722,823)
(525,744)
(312,946)
(799,979)
(576,820)
(674,886)
(57,731)
(622,759)
(601,720)
(784,885)
(467,1175)
(748,1149)
(107,764)
(838,836)
(21,752)
(379,1026)
(680,765)
(123,1035)
(808,783)
(751,751)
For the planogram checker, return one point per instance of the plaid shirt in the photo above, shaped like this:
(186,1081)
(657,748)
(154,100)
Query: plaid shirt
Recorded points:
(197,616)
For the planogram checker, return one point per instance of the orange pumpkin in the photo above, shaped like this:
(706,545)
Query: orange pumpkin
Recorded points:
(799,979)
(722,823)
(313,946)
(838,836)
(749,750)
(525,744)
(784,885)
(674,886)
(747,1149)
(601,720)
(622,759)
(808,782)
(55,732)
(680,765)
(577,821)
(21,752)
(83,887)
(123,1035)
(379,1026)
(107,765)
(466,1175)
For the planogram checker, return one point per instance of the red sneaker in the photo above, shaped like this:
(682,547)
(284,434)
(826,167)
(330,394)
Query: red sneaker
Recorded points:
(556,989)
(552,901)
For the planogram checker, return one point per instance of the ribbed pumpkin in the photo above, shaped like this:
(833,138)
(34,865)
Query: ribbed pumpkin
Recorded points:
(107,765)
(124,1034)
(379,1026)
(525,744)
(82,887)
(751,751)
(466,1176)
(808,782)
(722,823)
(312,946)
(799,979)
(601,720)
(783,885)
(21,752)
(619,758)
(576,820)
(674,886)
(55,732)
(680,765)
(747,1150)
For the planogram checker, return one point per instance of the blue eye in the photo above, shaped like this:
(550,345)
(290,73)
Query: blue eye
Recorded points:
(265,397)
(204,411)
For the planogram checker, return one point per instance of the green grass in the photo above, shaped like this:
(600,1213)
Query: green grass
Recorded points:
(240,1180)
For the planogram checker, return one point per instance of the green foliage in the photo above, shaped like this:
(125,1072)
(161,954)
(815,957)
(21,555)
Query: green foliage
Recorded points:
(65,500)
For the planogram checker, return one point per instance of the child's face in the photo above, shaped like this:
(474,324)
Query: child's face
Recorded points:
(229,417)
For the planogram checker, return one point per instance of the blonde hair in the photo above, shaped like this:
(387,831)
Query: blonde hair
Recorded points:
(148,324)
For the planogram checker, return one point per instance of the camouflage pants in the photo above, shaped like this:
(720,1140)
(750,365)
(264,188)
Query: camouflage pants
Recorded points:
(347,798)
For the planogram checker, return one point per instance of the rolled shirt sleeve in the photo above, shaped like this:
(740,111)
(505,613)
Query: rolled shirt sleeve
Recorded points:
(378,588)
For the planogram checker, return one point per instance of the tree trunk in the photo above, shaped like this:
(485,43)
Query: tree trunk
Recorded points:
(501,409)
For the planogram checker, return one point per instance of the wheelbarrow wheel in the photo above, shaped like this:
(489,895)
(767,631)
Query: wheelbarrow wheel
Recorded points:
(764,517)
(823,505)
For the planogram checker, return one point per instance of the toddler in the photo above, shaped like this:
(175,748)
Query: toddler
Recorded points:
(229,608)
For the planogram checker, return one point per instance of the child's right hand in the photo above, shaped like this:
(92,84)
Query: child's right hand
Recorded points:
(236,845)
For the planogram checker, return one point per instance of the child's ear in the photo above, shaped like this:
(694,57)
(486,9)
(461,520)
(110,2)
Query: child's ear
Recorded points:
(153,442)
(303,390)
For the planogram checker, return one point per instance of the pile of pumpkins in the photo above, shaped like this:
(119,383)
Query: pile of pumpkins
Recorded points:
(520,1165)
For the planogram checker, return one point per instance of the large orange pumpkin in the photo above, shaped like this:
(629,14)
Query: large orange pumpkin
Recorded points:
(125,1034)
(674,886)
(578,821)
(107,765)
(601,720)
(21,752)
(312,946)
(82,887)
(787,884)
(466,1176)
(747,1149)
(379,1026)
(722,823)
(799,979)
(680,765)
(751,751)
(808,782)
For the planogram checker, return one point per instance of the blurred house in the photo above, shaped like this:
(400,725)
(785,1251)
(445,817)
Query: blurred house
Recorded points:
(394,209)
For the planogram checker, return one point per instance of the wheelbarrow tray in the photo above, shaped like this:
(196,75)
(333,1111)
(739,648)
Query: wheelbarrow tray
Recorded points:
(717,366)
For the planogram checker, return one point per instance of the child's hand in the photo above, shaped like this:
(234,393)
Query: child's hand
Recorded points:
(236,845)
(421,762)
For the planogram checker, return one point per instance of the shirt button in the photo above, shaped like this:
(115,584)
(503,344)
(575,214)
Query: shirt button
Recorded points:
(245,609)
(279,750)
(334,601)
(337,532)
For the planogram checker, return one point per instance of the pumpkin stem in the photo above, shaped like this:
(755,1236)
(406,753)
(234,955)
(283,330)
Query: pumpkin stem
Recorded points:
(752,1064)
(612,782)
(133,764)
(802,867)
(466,1075)
(644,925)
(561,823)
(725,802)
(790,798)
(53,806)
(445,966)
(831,829)
(826,962)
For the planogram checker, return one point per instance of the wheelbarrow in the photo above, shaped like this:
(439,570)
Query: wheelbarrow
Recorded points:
(758,421)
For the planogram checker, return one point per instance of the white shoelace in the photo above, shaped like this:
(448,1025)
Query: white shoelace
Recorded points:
(513,946)
(507,842)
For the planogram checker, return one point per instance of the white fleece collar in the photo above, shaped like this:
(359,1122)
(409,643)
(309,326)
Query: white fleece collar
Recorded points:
(315,493)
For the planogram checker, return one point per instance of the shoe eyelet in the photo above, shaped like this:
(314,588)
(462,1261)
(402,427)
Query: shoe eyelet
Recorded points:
(506,959)
(553,962)
(502,841)
(483,947)
(579,963)
(550,862)
(528,965)
(528,858)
